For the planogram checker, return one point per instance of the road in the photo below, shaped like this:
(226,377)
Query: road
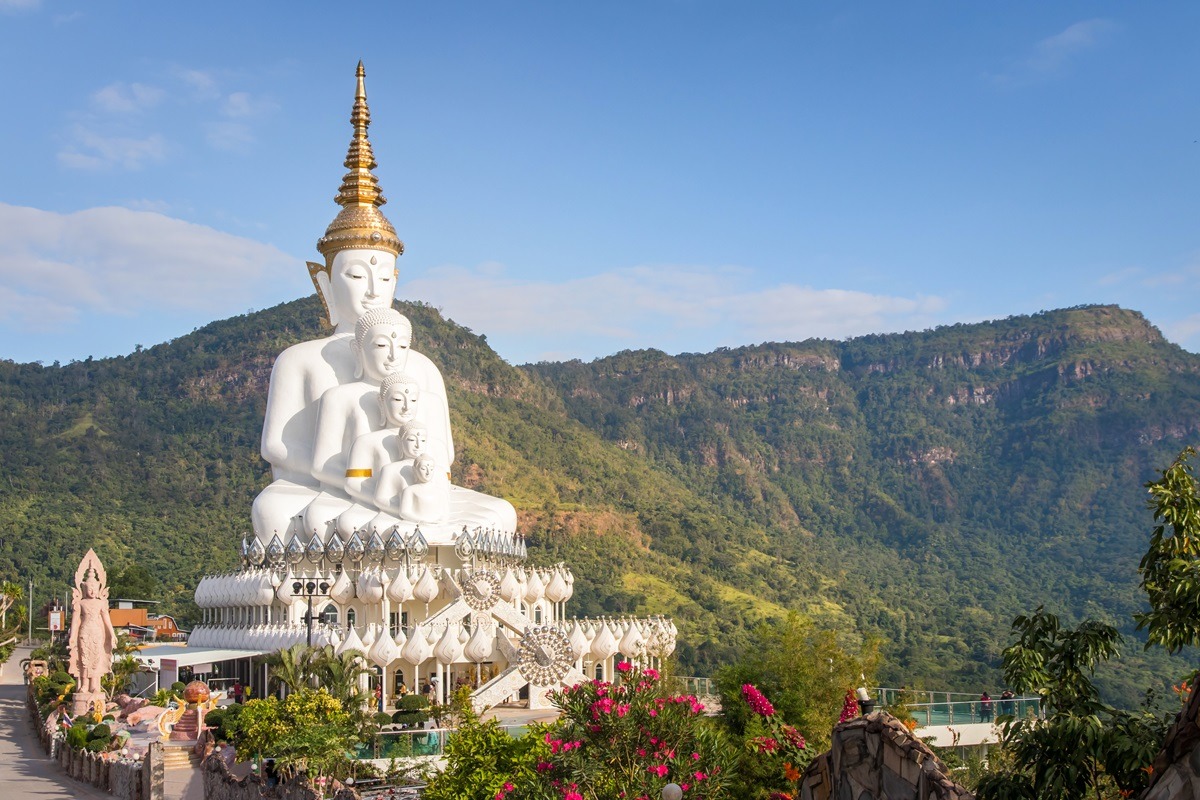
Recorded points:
(25,771)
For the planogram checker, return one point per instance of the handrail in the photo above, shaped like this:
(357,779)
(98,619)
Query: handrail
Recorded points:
(170,717)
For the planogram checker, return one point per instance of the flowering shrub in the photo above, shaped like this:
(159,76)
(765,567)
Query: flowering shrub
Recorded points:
(774,753)
(628,740)
(849,708)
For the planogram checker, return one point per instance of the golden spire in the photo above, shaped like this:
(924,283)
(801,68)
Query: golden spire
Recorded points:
(360,223)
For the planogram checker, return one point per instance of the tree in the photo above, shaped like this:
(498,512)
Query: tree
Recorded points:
(803,669)
(1083,746)
(133,583)
(291,667)
(309,731)
(1170,569)
(1067,754)
(483,761)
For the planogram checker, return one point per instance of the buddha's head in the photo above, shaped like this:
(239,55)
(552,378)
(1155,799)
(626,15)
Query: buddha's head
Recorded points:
(354,282)
(398,396)
(381,340)
(360,246)
(424,468)
(414,438)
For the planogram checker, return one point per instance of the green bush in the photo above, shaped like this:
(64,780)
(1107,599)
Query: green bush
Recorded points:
(101,732)
(383,718)
(412,702)
(77,735)
(96,745)
(61,677)
(178,686)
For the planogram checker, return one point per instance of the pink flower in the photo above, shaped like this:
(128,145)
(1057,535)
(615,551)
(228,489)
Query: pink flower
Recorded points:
(624,666)
(699,776)
(572,796)
(757,701)
(658,769)
(652,674)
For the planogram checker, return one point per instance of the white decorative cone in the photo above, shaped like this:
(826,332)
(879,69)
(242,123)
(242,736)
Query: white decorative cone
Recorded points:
(370,587)
(383,651)
(579,641)
(352,643)
(632,643)
(556,589)
(417,650)
(534,588)
(510,587)
(342,590)
(604,644)
(479,647)
(400,590)
(448,649)
(426,589)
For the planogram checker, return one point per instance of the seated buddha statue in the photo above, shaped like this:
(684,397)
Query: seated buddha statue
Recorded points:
(358,275)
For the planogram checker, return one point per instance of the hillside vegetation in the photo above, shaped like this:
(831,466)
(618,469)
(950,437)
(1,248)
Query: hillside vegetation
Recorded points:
(925,487)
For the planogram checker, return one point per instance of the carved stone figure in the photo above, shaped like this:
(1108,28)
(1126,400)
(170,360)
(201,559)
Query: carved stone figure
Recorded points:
(92,637)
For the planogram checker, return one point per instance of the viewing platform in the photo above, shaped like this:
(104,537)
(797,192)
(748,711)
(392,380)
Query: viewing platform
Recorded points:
(958,719)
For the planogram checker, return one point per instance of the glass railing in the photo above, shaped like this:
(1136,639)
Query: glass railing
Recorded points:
(389,744)
(956,708)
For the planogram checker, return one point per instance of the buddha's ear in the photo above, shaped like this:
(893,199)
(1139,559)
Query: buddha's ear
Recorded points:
(358,358)
(320,278)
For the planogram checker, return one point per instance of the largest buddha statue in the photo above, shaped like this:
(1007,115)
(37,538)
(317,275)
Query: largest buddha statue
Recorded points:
(323,392)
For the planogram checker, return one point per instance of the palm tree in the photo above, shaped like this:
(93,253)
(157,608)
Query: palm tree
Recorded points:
(292,667)
(339,674)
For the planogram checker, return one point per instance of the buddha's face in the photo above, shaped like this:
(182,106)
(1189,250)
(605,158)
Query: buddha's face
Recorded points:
(400,404)
(423,469)
(414,442)
(359,280)
(384,351)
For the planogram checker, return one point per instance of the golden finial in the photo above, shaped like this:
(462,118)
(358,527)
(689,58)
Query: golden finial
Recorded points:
(360,223)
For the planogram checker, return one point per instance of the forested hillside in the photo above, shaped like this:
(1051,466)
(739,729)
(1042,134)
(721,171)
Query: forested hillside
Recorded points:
(925,487)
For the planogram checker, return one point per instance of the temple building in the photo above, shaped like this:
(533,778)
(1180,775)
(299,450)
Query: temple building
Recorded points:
(360,541)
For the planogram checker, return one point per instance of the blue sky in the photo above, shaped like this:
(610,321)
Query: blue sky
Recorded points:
(574,179)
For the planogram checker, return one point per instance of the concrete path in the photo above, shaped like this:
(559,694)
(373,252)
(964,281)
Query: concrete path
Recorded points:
(25,770)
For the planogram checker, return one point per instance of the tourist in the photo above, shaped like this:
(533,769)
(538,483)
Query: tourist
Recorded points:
(239,693)
(1006,703)
(985,707)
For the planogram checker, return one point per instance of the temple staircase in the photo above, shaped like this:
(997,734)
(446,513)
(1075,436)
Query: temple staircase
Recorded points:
(176,757)
(187,728)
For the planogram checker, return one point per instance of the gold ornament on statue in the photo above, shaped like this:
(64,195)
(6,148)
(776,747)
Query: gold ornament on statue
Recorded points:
(360,224)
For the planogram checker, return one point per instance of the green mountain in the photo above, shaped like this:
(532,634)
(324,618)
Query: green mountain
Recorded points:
(925,487)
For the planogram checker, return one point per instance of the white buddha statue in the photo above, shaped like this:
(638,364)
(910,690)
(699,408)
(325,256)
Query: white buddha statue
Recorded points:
(427,498)
(360,248)
(405,436)
(396,476)
(351,410)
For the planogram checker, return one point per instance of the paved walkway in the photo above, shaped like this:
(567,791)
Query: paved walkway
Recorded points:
(25,771)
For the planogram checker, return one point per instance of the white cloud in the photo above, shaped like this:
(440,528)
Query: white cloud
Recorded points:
(234,137)
(670,307)
(1050,55)
(202,83)
(1119,277)
(93,151)
(1185,331)
(1184,276)
(123,98)
(244,104)
(113,261)
(19,5)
